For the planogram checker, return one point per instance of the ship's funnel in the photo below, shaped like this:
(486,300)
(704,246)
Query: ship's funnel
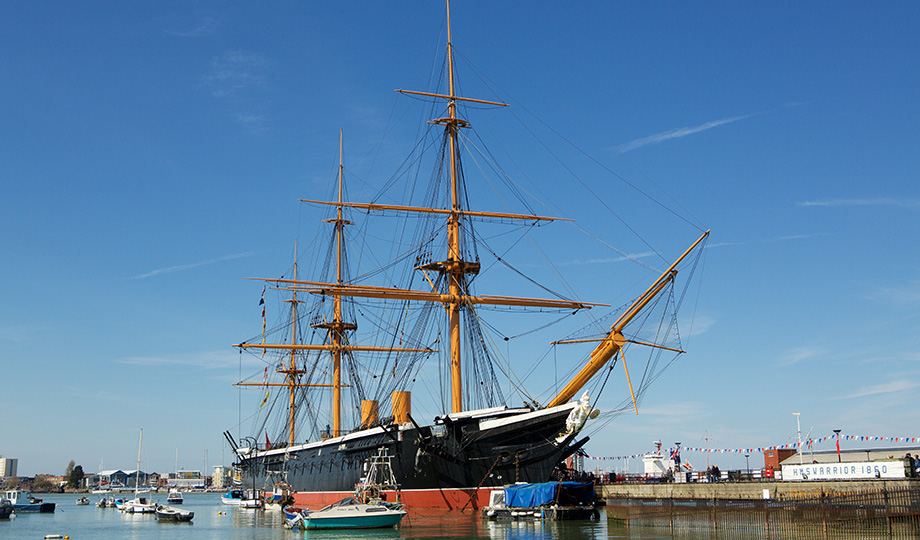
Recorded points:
(369,412)
(402,406)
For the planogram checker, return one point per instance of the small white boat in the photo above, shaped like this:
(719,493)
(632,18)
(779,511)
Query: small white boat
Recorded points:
(232,497)
(251,503)
(168,513)
(82,501)
(249,498)
(174,497)
(348,513)
(279,498)
(139,505)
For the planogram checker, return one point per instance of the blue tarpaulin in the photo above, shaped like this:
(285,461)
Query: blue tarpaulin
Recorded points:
(565,493)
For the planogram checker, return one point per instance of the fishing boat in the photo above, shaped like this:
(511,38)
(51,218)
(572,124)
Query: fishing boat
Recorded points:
(168,513)
(175,497)
(428,314)
(23,501)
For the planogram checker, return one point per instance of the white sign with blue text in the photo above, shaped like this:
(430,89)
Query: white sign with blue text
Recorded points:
(845,471)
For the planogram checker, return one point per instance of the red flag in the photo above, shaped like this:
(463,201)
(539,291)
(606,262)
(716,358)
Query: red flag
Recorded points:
(838,446)
(268,445)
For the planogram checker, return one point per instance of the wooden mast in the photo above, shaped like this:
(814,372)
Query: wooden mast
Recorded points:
(292,370)
(336,331)
(455,268)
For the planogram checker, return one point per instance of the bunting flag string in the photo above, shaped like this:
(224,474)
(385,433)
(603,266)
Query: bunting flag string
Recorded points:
(790,446)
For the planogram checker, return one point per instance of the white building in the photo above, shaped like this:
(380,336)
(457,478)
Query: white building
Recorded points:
(8,467)
(221,477)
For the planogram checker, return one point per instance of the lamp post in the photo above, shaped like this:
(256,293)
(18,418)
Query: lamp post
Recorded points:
(837,433)
(799,426)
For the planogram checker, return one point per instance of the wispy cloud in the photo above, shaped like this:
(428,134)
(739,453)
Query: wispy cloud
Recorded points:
(205,27)
(179,268)
(235,73)
(800,354)
(908,293)
(878,201)
(256,123)
(684,409)
(884,388)
(208,360)
(607,260)
(677,133)
(800,236)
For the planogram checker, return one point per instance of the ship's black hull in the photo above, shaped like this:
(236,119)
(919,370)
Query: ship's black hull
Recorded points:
(465,454)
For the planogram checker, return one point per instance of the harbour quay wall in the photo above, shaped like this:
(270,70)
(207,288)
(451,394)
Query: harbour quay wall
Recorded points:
(750,490)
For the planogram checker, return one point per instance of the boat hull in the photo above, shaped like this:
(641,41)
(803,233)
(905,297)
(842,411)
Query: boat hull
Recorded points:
(371,522)
(451,465)
(165,513)
(36,508)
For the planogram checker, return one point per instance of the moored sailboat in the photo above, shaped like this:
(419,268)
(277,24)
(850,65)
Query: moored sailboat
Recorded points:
(478,442)
(138,505)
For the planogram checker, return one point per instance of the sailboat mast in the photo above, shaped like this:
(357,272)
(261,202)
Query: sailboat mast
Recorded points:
(455,268)
(137,473)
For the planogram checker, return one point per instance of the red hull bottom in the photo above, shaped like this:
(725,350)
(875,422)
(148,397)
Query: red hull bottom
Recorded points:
(446,499)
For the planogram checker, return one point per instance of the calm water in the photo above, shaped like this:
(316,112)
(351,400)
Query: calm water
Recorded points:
(214,521)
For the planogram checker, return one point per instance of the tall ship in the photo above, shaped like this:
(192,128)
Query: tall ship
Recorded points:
(338,374)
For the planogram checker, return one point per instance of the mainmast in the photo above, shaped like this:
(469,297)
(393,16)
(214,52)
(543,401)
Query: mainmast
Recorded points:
(455,268)
(338,327)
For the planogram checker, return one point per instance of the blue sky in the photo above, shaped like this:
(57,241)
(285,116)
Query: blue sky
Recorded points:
(153,155)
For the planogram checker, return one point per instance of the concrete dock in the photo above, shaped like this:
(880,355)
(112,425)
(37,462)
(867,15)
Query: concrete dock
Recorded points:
(749,490)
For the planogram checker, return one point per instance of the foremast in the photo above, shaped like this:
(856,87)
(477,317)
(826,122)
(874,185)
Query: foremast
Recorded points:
(337,328)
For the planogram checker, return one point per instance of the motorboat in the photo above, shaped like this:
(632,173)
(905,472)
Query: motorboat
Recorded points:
(550,501)
(348,513)
(82,501)
(174,497)
(139,505)
(23,501)
(6,508)
(244,499)
(232,497)
(293,515)
(279,498)
(168,513)
(251,503)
